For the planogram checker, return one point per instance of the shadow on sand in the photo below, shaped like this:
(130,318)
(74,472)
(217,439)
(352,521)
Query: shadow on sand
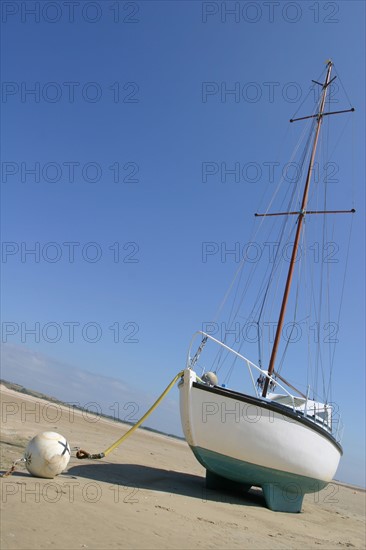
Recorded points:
(167,481)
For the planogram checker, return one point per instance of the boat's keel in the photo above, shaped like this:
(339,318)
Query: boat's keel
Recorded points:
(282,491)
(214,481)
(280,499)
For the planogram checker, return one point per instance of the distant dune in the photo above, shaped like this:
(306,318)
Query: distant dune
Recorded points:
(33,393)
(69,383)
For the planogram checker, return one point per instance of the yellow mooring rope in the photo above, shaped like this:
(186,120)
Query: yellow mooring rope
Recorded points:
(83,454)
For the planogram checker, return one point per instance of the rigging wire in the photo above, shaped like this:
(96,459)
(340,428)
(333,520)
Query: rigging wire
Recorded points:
(316,306)
(311,89)
(348,248)
(298,286)
(292,203)
(307,269)
(341,299)
(343,88)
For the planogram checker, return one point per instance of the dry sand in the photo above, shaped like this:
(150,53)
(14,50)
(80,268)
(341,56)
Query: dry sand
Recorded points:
(149,493)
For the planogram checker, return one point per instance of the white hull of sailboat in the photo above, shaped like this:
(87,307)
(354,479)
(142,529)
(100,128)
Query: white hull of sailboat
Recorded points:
(251,441)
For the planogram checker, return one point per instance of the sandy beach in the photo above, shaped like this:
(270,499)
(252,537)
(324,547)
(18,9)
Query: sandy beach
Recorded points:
(148,493)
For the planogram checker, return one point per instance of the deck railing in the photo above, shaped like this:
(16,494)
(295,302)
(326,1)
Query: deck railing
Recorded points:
(335,426)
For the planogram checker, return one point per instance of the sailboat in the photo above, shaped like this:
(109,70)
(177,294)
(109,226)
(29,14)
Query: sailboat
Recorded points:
(275,436)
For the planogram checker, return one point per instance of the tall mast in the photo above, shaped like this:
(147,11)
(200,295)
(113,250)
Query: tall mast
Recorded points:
(300,220)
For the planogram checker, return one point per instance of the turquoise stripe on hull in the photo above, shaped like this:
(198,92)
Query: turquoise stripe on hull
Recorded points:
(283,491)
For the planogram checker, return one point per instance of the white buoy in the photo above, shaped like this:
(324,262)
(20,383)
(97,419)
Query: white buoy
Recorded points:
(47,455)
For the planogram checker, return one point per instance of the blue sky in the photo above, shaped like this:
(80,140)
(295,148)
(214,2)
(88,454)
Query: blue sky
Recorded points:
(126,132)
